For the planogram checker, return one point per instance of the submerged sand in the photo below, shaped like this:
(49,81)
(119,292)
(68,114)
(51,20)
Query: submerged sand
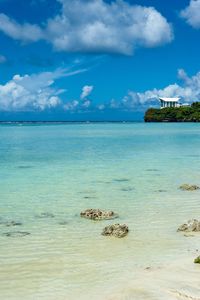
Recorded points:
(179,280)
(51,173)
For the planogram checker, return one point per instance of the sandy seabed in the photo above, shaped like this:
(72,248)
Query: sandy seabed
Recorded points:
(132,169)
(179,280)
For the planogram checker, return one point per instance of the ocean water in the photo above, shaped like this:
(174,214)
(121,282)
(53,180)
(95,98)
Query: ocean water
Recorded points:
(58,171)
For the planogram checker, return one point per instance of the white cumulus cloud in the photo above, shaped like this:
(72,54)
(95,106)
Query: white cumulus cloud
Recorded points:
(188,90)
(96,26)
(117,27)
(192,14)
(83,104)
(25,32)
(33,92)
(71,105)
(86,91)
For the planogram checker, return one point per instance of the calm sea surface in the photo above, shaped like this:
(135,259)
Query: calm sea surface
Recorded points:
(58,170)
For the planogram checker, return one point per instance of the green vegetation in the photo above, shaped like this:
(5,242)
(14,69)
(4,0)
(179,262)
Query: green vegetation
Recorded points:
(197,260)
(174,114)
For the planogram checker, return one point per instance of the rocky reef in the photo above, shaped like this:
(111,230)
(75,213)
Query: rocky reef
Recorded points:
(10,223)
(63,222)
(16,233)
(190,226)
(116,230)
(98,214)
(188,187)
(45,215)
(13,223)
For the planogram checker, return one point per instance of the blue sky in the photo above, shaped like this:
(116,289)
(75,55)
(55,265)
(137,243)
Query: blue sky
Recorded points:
(96,59)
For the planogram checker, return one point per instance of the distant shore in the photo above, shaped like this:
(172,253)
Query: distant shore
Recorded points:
(174,114)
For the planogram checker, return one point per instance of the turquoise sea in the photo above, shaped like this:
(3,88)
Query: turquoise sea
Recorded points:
(50,173)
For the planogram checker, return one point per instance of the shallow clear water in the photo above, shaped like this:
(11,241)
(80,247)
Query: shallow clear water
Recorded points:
(134,169)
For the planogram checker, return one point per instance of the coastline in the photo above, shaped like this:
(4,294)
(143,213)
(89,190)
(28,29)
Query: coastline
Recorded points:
(174,114)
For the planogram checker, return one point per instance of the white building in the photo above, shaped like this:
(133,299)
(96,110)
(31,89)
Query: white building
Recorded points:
(169,102)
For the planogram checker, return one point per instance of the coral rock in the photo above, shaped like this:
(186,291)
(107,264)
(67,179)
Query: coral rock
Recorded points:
(116,230)
(97,214)
(188,187)
(190,226)
(16,234)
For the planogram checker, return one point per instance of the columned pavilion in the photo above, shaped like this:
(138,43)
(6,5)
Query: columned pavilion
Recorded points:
(169,102)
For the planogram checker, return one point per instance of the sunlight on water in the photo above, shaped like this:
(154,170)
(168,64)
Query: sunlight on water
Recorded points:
(49,173)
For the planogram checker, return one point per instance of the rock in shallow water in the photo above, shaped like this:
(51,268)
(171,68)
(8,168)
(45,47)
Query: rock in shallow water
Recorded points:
(127,189)
(10,223)
(45,215)
(161,191)
(98,214)
(25,167)
(13,223)
(16,233)
(190,226)
(116,230)
(63,223)
(188,187)
(121,180)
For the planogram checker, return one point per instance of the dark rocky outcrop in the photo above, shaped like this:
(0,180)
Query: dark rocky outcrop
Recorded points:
(16,233)
(121,180)
(127,189)
(116,230)
(25,167)
(63,223)
(12,223)
(190,226)
(45,215)
(188,187)
(98,214)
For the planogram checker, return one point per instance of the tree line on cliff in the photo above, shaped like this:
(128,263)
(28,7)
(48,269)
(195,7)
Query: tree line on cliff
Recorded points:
(174,114)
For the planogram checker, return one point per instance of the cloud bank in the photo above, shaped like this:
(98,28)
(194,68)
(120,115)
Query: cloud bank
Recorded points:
(37,92)
(95,26)
(34,92)
(192,14)
(188,90)
(82,104)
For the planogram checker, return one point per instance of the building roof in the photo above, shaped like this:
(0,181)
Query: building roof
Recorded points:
(170,99)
